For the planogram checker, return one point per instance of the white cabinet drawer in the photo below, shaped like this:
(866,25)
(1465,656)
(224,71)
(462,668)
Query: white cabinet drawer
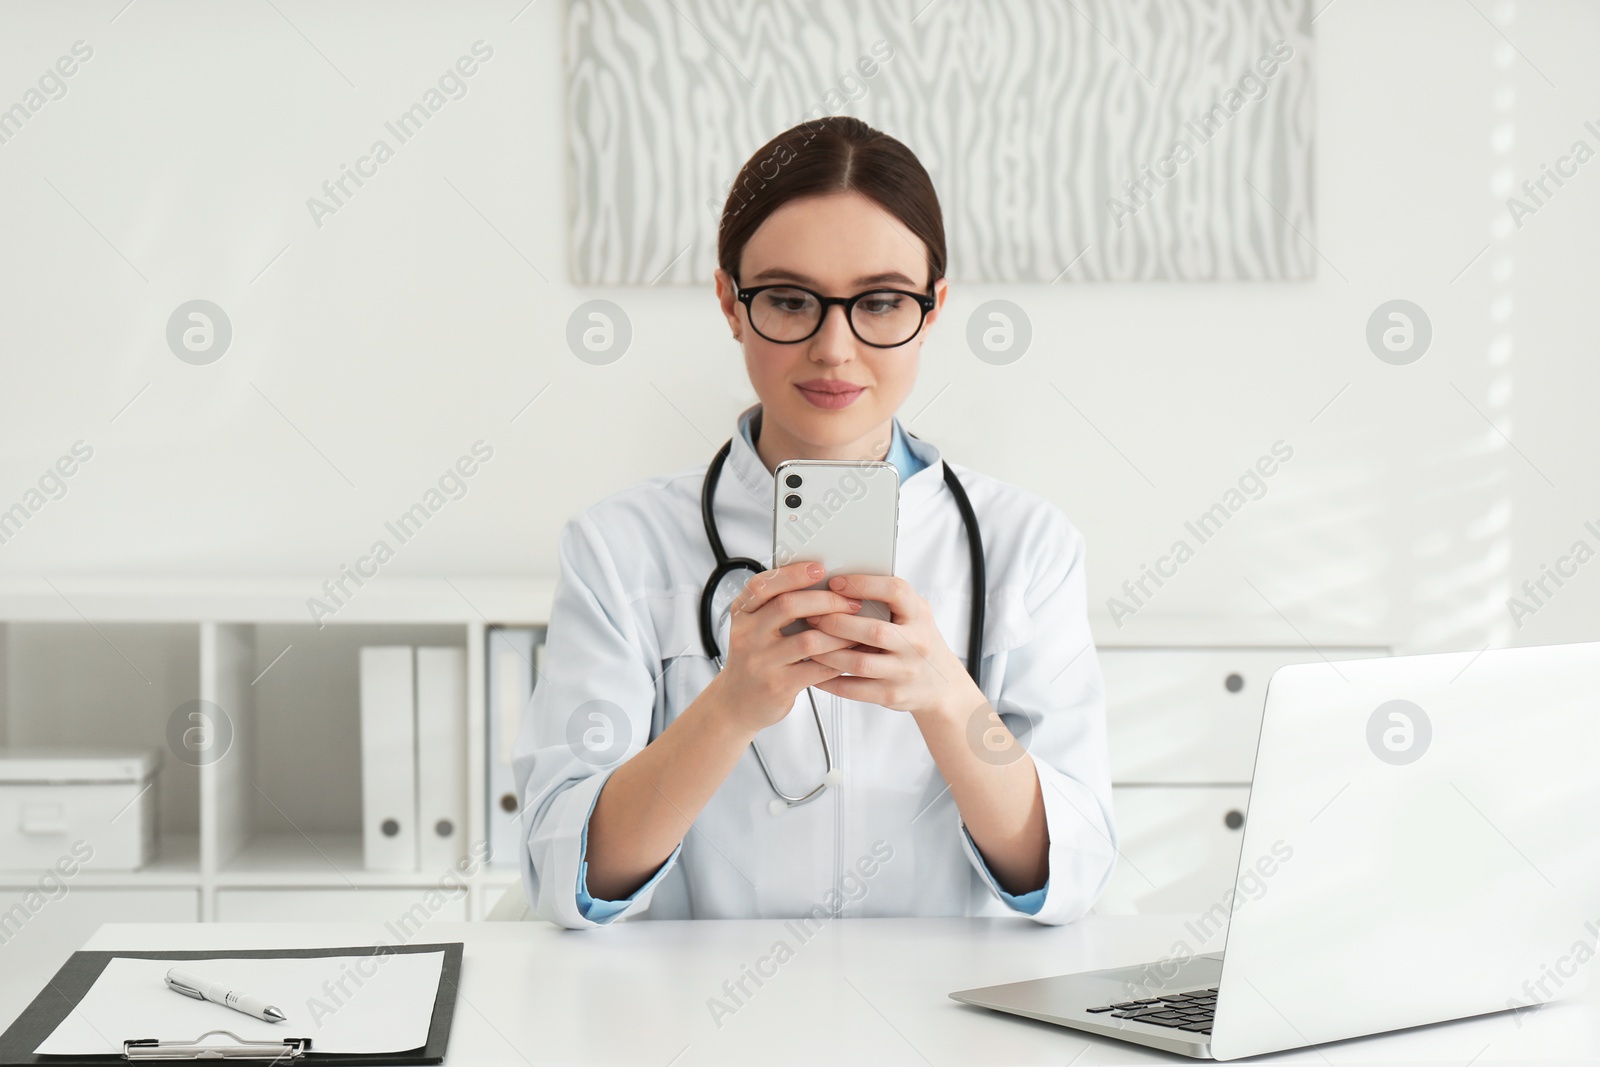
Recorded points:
(407,909)
(1178,848)
(1191,716)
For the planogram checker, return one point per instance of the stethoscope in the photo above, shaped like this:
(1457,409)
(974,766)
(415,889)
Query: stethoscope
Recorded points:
(726,565)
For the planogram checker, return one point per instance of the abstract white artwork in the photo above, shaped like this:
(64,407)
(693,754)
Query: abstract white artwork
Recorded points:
(1069,140)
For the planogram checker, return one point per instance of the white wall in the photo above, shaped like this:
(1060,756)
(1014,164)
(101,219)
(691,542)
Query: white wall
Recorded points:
(430,309)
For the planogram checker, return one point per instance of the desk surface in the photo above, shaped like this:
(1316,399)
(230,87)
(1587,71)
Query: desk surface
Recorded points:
(870,991)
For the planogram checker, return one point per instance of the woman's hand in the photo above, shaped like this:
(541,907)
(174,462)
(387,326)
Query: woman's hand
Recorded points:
(906,665)
(764,670)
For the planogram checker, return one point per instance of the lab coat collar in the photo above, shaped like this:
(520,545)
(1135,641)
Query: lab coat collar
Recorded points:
(754,478)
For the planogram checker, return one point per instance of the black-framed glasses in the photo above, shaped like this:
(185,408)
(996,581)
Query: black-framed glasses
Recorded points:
(882,318)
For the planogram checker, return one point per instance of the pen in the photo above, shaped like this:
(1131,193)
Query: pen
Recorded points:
(192,985)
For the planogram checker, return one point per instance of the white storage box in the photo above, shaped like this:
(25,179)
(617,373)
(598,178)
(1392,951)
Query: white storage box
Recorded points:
(94,807)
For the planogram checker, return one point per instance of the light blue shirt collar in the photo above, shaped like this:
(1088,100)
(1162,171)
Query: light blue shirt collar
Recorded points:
(905,461)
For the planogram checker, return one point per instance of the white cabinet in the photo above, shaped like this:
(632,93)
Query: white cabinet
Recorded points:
(259,817)
(266,824)
(1178,847)
(1182,724)
(1190,716)
(403,910)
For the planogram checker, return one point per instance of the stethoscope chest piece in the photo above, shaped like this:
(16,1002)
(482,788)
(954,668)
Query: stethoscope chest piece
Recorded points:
(833,779)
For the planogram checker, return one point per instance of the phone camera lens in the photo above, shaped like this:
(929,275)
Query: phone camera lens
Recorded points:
(792,500)
(793,481)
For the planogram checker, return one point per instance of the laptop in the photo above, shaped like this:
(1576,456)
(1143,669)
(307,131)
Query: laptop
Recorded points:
(1420,846)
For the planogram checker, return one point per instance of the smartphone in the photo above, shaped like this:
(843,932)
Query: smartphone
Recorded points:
(843,514)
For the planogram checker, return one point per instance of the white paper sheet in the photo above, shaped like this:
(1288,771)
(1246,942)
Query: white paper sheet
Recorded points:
(345,1004)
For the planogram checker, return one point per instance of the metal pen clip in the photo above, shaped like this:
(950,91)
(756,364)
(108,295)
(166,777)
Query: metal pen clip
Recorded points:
(188,991)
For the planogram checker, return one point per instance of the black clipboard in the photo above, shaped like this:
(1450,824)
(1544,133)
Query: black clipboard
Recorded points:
(63,992)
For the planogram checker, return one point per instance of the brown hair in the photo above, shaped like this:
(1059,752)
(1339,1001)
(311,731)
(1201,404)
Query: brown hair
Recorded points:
(831,155)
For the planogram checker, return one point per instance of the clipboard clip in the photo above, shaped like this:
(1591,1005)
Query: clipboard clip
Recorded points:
(290,1048)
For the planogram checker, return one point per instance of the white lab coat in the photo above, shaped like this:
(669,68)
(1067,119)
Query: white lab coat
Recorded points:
(623,628)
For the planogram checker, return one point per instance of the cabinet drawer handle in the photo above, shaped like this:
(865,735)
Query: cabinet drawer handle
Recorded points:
(44,820)
(1233,682)
(1233,820)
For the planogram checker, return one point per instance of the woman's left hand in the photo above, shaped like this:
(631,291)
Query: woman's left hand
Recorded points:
(905,663)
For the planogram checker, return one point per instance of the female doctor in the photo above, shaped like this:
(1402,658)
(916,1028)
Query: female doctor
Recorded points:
(655,784)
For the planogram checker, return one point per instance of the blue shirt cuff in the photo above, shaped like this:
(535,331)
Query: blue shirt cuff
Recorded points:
(596,910)
(1028,903)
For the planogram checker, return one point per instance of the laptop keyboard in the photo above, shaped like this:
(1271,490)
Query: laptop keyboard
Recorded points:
(1190,1011)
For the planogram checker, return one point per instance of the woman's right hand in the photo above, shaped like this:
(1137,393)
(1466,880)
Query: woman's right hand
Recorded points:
(763,670)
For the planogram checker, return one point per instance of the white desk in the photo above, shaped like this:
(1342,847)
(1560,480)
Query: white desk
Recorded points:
(869,991)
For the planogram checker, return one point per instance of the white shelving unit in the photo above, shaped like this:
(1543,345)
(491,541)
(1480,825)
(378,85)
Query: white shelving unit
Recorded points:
(271,829)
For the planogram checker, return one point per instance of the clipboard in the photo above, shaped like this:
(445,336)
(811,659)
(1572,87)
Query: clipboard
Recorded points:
(63,992)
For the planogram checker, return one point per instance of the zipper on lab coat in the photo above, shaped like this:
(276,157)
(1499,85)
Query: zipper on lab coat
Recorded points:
(838,809)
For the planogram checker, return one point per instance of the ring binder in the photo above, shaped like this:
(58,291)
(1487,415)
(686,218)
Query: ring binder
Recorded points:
(289,1048)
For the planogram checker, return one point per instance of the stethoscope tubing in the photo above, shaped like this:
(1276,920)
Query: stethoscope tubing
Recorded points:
(726,565)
